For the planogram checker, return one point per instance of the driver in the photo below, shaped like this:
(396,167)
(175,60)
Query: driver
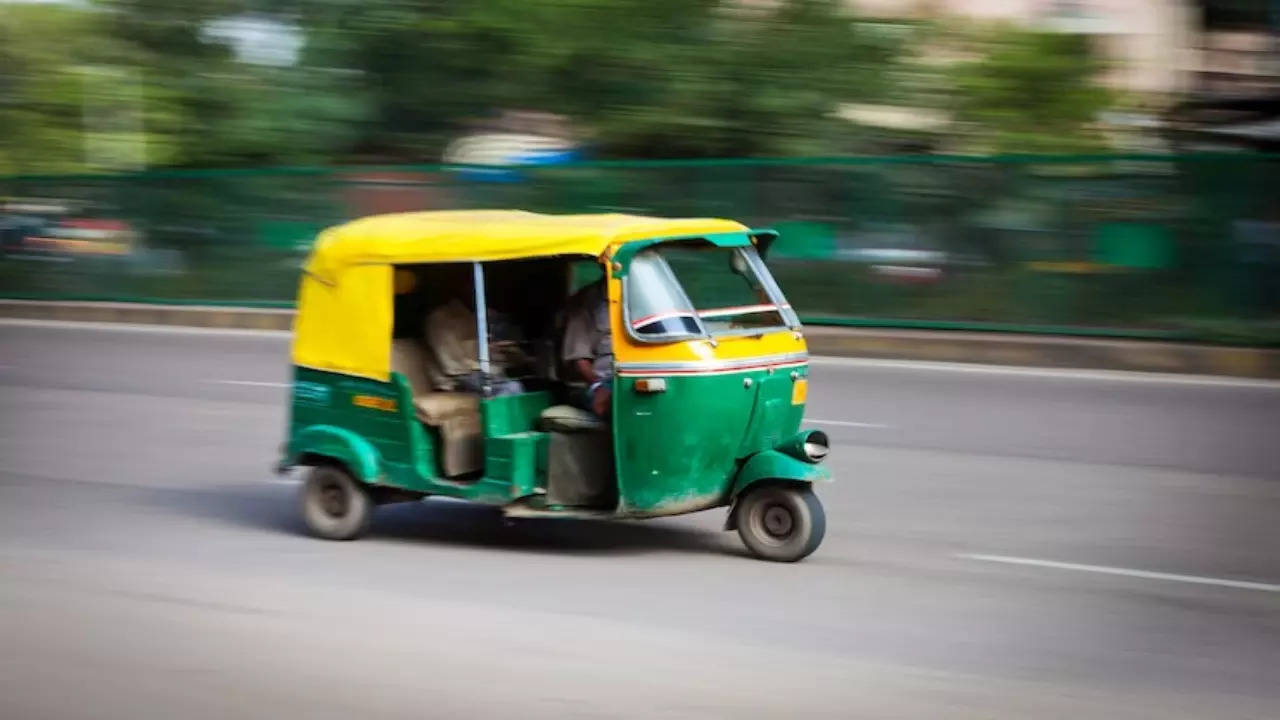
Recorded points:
(588,347)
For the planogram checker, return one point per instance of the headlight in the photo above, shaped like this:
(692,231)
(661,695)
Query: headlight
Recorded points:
(810,446)
(816,446)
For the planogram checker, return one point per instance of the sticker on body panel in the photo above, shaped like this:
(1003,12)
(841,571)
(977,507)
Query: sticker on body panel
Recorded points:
(374,402)
(311,393)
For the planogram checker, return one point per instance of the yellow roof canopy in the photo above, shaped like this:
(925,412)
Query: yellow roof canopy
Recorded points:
(486,235)
(345,300)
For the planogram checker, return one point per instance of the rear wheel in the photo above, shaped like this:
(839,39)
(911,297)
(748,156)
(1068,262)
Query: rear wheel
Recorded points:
(783,523)
(334,505)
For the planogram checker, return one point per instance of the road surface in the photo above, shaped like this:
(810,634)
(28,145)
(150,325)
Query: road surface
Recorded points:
(1001,544)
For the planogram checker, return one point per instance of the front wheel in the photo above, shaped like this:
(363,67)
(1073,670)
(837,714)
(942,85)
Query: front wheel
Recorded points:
(782,523)
(334,505)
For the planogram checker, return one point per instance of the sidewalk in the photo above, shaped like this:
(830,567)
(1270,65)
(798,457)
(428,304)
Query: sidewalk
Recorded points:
(944,346)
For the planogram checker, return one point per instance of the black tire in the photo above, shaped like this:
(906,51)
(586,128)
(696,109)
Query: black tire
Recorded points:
(782,523)
(334,505)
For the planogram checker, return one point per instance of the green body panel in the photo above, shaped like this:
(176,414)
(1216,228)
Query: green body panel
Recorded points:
(513,413)
(328,400)
(777,465)
(773,417)
(692,447)
(340,444)
(622,256)
(519,460)
(403,450)
(680,450)
(514,452)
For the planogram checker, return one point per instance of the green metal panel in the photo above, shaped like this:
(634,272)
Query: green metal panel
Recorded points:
(626,252)
(519,460)
(379,414)
(515,453)
(679,450)
(369,408)
(338,444)
(584,273)
(507,414)
(373,425)
(773,417)
(776,465)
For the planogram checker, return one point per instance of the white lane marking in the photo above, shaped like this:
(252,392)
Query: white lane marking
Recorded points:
(1146,574)
(1062,373)
(143,328)
(849,423)
(252,383)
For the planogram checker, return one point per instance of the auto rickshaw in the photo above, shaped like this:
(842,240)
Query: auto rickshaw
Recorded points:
(710,375)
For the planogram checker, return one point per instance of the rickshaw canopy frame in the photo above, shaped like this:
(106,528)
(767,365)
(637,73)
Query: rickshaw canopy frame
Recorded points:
(345,306)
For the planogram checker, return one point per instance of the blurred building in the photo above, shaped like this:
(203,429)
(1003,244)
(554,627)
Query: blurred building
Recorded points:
(1147,43)
(1204,72)
(1234,96)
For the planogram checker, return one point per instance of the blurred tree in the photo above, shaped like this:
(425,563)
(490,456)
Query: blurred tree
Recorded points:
(1028,91)
(644,78)
(397,80)
(58,67)
(238,111)
(741,84)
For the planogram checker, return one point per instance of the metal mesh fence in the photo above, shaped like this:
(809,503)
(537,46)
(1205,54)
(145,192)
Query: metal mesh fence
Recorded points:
(1168,246)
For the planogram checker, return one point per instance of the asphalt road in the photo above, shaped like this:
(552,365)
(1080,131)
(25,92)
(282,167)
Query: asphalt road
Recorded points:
(1000,545)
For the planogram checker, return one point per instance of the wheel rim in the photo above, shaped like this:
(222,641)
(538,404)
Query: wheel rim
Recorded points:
(773,523)
(778,522)
(333,499)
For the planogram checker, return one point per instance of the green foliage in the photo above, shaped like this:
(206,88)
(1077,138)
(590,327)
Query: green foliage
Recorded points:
(134,83)
(396,80)
(56,64)
(1030,92)
(642,78)
(233,112)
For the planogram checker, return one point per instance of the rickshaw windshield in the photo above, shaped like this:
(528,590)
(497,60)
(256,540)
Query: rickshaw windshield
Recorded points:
(676,291)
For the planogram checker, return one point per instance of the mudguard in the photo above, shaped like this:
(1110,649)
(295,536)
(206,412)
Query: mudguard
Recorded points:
(776,465)
(330,441)
(772,466)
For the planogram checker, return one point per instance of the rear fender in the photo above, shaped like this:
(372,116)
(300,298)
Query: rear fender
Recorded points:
(330,441)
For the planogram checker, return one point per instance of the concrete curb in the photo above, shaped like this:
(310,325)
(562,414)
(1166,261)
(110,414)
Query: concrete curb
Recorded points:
(1045,351)
(969,347)
(147,314)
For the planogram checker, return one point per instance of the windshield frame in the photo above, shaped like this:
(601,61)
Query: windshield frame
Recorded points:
(748,252)
(661,338)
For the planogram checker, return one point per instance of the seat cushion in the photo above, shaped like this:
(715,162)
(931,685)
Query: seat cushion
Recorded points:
(456,416)
(408,358)
(462,444)
(437,407)
(567,418)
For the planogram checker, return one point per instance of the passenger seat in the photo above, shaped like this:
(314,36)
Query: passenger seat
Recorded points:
(455,414)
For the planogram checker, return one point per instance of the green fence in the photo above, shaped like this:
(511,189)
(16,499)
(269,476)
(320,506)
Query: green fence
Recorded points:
(1145,246)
